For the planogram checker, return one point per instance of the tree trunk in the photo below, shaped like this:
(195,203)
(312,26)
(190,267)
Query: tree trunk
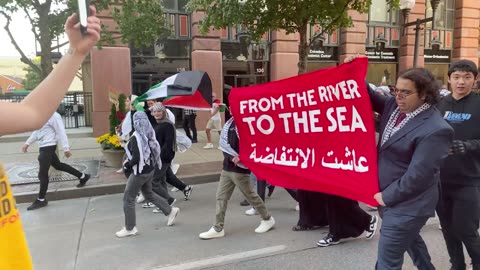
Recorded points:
(302,49)
(45,41)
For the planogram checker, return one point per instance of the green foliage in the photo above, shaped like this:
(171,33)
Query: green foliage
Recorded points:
(260,16)
(121,103)
(114,121)
(141,22)
(32,79)
(113,118)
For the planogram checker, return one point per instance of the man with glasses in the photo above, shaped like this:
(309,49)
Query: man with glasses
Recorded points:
(459,205)
(413,142)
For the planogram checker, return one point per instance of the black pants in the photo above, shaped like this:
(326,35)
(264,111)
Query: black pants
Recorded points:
(262,185)
(400,234)
(345,217)
(189,123)
(47,157)
(459,211)
(173,180)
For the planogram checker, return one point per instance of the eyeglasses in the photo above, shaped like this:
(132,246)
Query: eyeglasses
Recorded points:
(402,94)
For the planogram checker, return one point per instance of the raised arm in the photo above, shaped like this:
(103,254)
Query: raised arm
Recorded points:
(35,110)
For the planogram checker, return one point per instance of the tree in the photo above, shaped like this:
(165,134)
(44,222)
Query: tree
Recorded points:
(140,22)
(293,16)
(32,79)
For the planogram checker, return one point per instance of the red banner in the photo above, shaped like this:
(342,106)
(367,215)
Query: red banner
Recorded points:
(314,132)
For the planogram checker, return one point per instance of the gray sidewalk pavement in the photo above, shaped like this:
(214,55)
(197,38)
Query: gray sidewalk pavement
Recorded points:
(79,234)
(197,165)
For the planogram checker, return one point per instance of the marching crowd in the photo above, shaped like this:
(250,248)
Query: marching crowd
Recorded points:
(428,161)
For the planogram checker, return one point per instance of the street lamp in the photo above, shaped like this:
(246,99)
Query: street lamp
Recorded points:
(380,42)
(406,6)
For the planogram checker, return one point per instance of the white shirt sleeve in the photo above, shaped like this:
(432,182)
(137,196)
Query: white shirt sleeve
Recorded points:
(33,138)
(60,131)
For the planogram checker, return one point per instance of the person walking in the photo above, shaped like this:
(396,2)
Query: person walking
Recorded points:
(165,136)
(189,116)
(459,205)
(414,141)
(235,174)
(215,121)
(143,155)
(47,138)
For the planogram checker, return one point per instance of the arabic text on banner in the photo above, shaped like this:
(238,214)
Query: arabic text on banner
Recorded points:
(314,132)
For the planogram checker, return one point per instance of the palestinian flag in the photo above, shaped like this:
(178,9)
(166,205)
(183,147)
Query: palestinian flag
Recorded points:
(186,90)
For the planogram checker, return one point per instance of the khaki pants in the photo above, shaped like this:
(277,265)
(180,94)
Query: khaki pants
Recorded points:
(226,185)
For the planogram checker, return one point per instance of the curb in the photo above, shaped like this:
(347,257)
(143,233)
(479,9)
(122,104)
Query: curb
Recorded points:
(22,138)
(106,189)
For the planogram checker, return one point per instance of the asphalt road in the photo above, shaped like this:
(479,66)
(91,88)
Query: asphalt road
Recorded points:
(80,234)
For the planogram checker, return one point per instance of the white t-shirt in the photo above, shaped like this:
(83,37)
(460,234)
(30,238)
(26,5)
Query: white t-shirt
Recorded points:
(217,115)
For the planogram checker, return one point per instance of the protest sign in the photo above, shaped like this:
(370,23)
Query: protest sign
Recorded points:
(314,132)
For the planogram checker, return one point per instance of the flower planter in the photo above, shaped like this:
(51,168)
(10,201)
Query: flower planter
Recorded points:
(113,158)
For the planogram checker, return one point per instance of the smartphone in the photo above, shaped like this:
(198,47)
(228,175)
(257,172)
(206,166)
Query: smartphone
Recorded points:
(83,12)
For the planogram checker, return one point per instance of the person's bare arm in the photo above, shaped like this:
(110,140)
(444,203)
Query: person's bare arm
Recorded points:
(35,110)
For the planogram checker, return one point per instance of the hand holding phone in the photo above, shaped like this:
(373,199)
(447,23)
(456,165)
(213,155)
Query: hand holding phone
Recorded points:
(83,12)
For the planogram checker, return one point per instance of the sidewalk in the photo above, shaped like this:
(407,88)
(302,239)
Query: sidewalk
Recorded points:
(197,165)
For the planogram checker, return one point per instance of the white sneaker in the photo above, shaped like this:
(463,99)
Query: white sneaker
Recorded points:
(148,205)
(119,170)
(265,225)
(251,212)
(140,198)
(173,214)
(212,233)
(297,208)
(174,189)
(124,232)
(208,146)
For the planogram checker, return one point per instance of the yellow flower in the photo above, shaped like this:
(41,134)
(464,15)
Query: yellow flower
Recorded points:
(109,141)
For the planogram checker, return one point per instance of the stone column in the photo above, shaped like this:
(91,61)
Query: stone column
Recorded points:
(111,69)
(466,32)
(207,56)
(407,42)
(284,56)
(353,39)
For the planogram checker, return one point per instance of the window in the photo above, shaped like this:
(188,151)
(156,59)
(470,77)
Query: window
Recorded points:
(442,36)
(444,15)
(382,25)
(179,24)
(379,12)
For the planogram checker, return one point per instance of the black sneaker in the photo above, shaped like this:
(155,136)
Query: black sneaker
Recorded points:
(37,204)
(187,192)
(194,141)
(83,180)
(328,240)
(244,203)
(372,227)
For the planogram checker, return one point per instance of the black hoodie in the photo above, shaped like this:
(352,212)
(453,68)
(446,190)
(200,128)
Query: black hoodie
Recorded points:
(464,117)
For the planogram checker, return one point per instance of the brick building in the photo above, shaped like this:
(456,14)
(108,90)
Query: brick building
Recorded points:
(231,62)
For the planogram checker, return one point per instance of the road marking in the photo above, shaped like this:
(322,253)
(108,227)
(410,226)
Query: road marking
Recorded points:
(223,259)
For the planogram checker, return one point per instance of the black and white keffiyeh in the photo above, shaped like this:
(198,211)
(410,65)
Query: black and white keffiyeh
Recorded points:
(224,145)
(146,141)
(391,129)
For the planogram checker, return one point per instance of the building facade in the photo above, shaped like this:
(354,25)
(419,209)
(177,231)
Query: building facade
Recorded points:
(231,61)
